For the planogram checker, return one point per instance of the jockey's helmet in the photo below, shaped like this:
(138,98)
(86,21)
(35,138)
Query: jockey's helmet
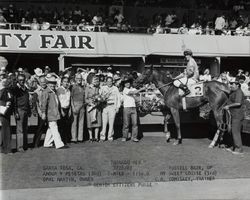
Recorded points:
(188,52)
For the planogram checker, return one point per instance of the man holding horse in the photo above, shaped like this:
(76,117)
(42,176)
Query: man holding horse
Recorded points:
(190,75)
(234,105)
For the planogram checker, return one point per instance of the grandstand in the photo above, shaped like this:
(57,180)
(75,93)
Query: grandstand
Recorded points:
(122,33)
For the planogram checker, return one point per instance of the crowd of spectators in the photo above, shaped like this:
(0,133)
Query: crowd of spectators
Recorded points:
(197,4)
(62,101)
(234,22)
(75,19)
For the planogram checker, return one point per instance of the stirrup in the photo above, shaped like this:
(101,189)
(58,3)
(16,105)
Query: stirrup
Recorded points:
(186,92)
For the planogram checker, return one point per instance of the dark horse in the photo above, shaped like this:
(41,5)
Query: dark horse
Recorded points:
(215,93)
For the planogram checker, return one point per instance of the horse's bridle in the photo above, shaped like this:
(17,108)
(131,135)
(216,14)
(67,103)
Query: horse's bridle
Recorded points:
(167,84)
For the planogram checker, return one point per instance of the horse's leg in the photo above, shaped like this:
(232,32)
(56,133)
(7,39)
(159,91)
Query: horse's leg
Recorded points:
(166,131)
(176,117)
(218,118)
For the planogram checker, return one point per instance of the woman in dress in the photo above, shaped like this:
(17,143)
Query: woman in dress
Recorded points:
(93,111)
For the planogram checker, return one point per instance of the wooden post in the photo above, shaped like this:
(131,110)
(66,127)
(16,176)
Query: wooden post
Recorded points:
(61,62)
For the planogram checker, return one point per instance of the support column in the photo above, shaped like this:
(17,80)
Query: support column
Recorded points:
(61,62)
(215,66)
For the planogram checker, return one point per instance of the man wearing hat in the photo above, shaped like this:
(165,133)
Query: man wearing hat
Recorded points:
(50,112)
(234,105)
(37,105)
(46,70)
(190,75)
(20,70)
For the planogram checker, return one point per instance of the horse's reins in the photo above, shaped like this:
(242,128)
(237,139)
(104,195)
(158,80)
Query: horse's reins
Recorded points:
(167,84)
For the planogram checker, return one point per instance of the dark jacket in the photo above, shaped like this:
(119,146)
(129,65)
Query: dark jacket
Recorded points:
(21,99)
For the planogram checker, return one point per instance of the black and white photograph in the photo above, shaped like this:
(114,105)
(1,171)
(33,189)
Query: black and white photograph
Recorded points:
(124,99)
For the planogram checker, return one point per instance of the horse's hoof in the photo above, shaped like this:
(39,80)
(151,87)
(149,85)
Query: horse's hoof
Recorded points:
(211,146)
(168,140)
(177,142)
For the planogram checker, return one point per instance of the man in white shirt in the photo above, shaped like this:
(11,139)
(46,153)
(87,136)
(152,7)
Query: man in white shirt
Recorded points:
(63,94)
(220,24)
(111,93)
(129,110)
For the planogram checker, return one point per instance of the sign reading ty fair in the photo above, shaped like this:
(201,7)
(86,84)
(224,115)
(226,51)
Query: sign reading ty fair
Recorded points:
(47,41)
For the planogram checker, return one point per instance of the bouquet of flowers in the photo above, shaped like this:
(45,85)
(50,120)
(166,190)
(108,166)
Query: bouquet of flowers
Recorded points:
(148,103)
(98,101)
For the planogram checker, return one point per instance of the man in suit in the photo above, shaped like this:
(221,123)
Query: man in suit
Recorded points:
(22,112)
(78,109)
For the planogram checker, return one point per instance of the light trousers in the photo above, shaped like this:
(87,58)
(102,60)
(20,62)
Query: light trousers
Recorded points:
(108,118)
(53,135)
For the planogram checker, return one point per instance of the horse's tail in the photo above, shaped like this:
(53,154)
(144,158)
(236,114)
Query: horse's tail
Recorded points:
(228,121)
(226,124)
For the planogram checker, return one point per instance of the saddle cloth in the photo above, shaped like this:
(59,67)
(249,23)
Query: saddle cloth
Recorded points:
(196,89)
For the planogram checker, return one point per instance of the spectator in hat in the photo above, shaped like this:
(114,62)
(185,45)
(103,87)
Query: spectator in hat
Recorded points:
(234,105)
(109,72)
(34,79)
(240,73)
(47,70)
(51,113)
(37,102)
(129,110)
(22,112)
(78,109)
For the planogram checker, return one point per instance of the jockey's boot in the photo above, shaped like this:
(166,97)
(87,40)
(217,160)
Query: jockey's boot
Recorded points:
(185,89)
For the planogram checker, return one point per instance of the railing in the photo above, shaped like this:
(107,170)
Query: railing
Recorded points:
(126,29)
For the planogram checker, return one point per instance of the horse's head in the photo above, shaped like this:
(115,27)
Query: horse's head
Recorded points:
(152,76)
(144,78)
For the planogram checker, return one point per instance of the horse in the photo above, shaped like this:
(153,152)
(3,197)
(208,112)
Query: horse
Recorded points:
(214,93)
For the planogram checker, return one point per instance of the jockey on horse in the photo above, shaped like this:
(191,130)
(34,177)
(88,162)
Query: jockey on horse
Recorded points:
(190,75)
